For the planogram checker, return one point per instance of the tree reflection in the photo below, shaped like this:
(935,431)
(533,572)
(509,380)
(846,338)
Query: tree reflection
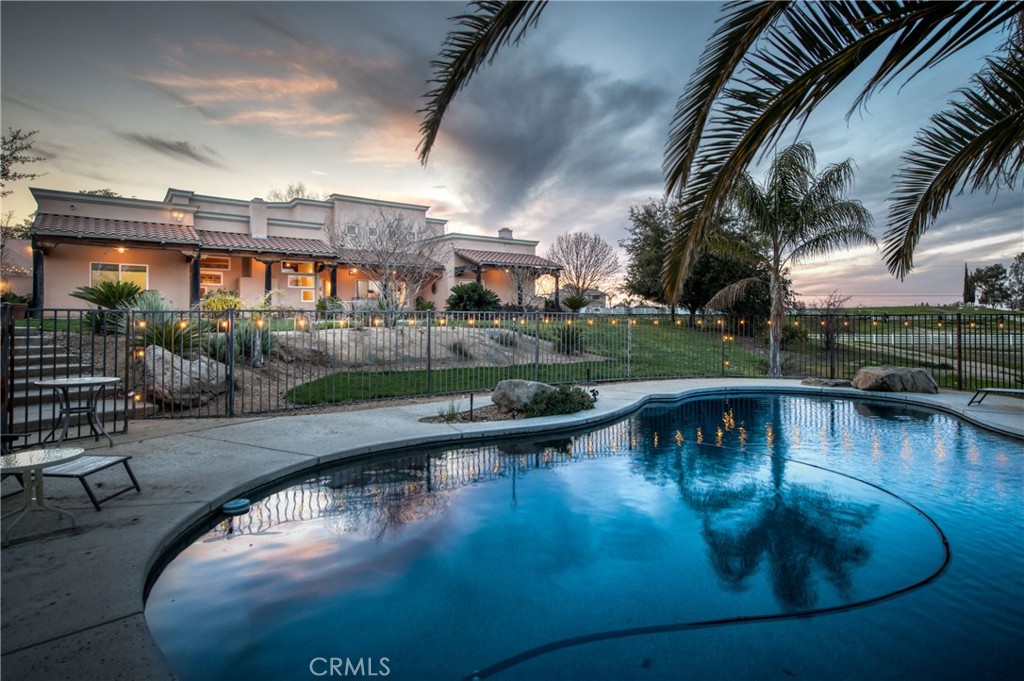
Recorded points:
(751,515)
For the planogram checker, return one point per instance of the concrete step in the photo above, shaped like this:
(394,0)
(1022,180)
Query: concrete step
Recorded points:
(38,419)
(44,359)
(60,369)
(25,392)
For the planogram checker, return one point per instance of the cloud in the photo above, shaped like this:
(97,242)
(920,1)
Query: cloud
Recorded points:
(179,150)
(535,128)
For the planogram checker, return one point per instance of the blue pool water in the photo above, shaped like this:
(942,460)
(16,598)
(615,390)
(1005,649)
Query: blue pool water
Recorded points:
(749,537)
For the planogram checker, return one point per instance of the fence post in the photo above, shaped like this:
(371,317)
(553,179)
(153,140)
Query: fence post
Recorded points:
(536,349)
(230,359)
(959,353)
(722,342)
(430,322)
(629,345)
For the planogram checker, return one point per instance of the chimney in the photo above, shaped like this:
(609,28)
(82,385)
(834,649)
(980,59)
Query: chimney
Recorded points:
(258,219)
(504,233)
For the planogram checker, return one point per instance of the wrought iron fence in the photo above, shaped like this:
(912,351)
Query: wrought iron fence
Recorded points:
(193,363)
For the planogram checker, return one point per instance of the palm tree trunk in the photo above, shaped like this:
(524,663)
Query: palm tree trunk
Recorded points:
(778,318)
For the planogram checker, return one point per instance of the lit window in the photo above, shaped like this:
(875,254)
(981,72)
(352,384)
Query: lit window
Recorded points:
(300,282)
(215,263)
(111,271)
(307,295)
(289,267)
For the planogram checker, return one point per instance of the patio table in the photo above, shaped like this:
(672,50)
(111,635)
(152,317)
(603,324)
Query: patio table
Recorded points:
(93,386)
(30,464)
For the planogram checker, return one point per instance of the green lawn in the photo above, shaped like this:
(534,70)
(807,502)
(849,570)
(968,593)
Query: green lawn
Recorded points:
(657,351)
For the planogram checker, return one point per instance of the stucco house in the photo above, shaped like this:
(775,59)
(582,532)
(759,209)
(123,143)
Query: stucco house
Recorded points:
(189,243)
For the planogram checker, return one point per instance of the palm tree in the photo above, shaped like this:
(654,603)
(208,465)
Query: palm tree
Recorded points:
(770,64)
(793,215)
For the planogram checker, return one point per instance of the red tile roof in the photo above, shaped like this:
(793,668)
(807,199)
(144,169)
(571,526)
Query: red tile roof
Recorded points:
(271,244)
(118,230)
(498,259)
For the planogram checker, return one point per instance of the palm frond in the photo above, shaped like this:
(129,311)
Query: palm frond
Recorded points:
(842,233)
(977,143)
(801,61)
(483,32)
(731,294)
(741,27)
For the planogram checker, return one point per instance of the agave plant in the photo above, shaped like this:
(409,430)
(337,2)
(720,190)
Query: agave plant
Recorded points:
(110,297)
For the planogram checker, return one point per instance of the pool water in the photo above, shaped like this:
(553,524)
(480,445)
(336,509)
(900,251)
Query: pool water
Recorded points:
(748,537)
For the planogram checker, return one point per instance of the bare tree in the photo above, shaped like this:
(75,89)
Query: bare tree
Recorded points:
(295,190)
(587,261)
(398,256)
(522,280)
(17,150)
(830,308)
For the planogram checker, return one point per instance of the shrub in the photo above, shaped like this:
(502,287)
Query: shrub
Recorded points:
(460,350)
(473,297)
(244,335)
(220,300)
(565,399)
(792,334)
(13,298)
(328,303)
(569,340)
(424,305)
(506,338)
(575,302)
(109,295)
(171,337)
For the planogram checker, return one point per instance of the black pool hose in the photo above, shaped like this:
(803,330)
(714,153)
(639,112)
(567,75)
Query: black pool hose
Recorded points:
(572,641)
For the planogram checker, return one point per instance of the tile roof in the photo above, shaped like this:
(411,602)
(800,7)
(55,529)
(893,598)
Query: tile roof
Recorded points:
(498,259)
(118,230)
(271,244)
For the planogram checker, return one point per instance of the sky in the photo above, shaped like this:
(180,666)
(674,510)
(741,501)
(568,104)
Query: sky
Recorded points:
(563,133)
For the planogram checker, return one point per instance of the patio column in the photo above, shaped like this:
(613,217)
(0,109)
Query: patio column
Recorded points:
(193,289)
(334,280)
(37,276)
(558,297)
(478,274)
(268,275)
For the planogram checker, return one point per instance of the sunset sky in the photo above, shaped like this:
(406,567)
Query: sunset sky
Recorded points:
(564,133)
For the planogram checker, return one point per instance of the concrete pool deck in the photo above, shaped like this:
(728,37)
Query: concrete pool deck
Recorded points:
(71,603)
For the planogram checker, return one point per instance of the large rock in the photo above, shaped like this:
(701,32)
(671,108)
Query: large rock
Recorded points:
(827,382)
(895,380)
(514,394)
(172,379)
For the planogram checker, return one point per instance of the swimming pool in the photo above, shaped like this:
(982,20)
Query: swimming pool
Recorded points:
(718,538)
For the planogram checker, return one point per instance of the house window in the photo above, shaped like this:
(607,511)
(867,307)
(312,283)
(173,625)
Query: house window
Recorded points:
(291,267)
(298,281)
(307,295)
(215,263)
(211,279)
(350,230)
(112,271)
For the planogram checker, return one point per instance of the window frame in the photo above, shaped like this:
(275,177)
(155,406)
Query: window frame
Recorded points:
(120,270)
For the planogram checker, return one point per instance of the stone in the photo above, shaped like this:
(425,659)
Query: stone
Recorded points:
(171,379)
(827,382)
(895,379)
(513,394)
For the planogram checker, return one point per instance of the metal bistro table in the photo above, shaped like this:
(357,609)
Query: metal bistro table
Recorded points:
(93,386)
(30,465)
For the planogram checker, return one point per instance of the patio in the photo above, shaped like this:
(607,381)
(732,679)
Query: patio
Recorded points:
(73,603)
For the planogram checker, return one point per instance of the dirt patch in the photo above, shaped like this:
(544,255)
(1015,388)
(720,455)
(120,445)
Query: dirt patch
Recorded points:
(491,413)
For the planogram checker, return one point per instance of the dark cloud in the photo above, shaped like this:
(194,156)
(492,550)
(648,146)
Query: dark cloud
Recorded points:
(534,126)
(180,150)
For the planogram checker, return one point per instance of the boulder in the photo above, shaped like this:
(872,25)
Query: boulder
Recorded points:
(513,394)
(895,380)
(172,379)
(827,382)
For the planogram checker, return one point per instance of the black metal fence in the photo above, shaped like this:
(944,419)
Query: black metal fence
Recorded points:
(211,364)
